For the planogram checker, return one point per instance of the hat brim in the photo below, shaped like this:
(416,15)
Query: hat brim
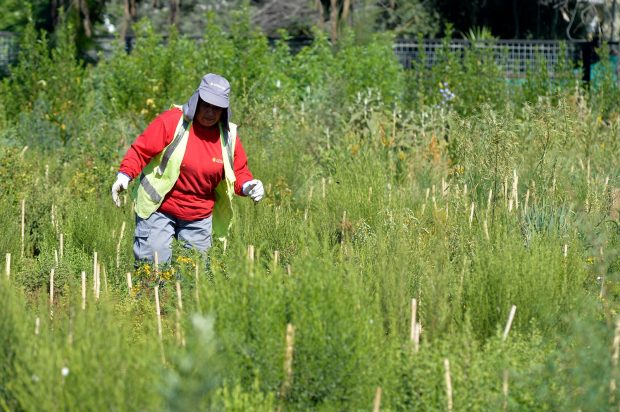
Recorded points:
(214,99)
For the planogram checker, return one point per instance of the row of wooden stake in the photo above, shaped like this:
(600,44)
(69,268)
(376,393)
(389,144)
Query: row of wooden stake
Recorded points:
(416,330)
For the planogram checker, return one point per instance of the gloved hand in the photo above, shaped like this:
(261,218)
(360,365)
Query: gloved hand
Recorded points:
(122,181)
(254,189)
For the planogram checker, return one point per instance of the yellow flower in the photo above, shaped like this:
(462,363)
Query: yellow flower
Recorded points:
(184,260)
(150,102)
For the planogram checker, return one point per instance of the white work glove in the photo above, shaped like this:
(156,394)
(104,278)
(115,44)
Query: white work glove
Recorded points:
(122,181)
(254,189)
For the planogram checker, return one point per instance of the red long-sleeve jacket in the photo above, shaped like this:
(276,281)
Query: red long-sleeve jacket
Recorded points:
(202,168)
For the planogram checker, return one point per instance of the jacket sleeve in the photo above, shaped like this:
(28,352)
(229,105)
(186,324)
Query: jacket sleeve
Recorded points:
(242,172)
(157,135)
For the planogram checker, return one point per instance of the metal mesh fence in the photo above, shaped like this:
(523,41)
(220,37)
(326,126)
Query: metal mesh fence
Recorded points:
(513,56)
(8,51)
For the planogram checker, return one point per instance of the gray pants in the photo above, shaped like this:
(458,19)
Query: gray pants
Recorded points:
(155,235)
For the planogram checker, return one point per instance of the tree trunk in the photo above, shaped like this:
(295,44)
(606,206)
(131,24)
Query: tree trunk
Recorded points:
(346,8)
(54,14)
(174,11)
(319,7)
(333,20)
(88,28)
(128,16)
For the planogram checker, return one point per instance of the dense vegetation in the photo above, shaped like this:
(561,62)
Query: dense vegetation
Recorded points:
(450,185)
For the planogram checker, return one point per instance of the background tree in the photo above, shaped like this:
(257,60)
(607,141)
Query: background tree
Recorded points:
(538,19)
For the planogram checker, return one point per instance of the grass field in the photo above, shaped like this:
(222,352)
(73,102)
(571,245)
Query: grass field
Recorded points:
(488,221)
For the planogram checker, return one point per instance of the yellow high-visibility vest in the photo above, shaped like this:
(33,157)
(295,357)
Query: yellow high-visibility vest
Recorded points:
(162,172)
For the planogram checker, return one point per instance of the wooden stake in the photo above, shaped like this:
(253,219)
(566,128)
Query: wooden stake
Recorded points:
(393,121)
(159,327)
(158,311)
(343,226)
(377,403)
(527,199)
(418,333)
(83,290)
(288,361)
(179,329)
(98,278)
(196,288)
(602,293)
(471,214)
(156,264)
(414,311)
(94,272)
(118,246)
(62,245)
(105,279)
(614,212)
(52,287)
(515,188)
(489,199)
(446,365)
(276,258)
(129,283)
(506,190)
(7,266)
(23,231)
(251,253)
(511,316)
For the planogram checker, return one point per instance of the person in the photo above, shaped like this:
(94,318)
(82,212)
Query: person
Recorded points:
(189,162)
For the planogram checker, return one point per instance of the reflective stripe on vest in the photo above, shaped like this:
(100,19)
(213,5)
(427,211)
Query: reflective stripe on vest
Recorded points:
(162,172)
(172,146)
